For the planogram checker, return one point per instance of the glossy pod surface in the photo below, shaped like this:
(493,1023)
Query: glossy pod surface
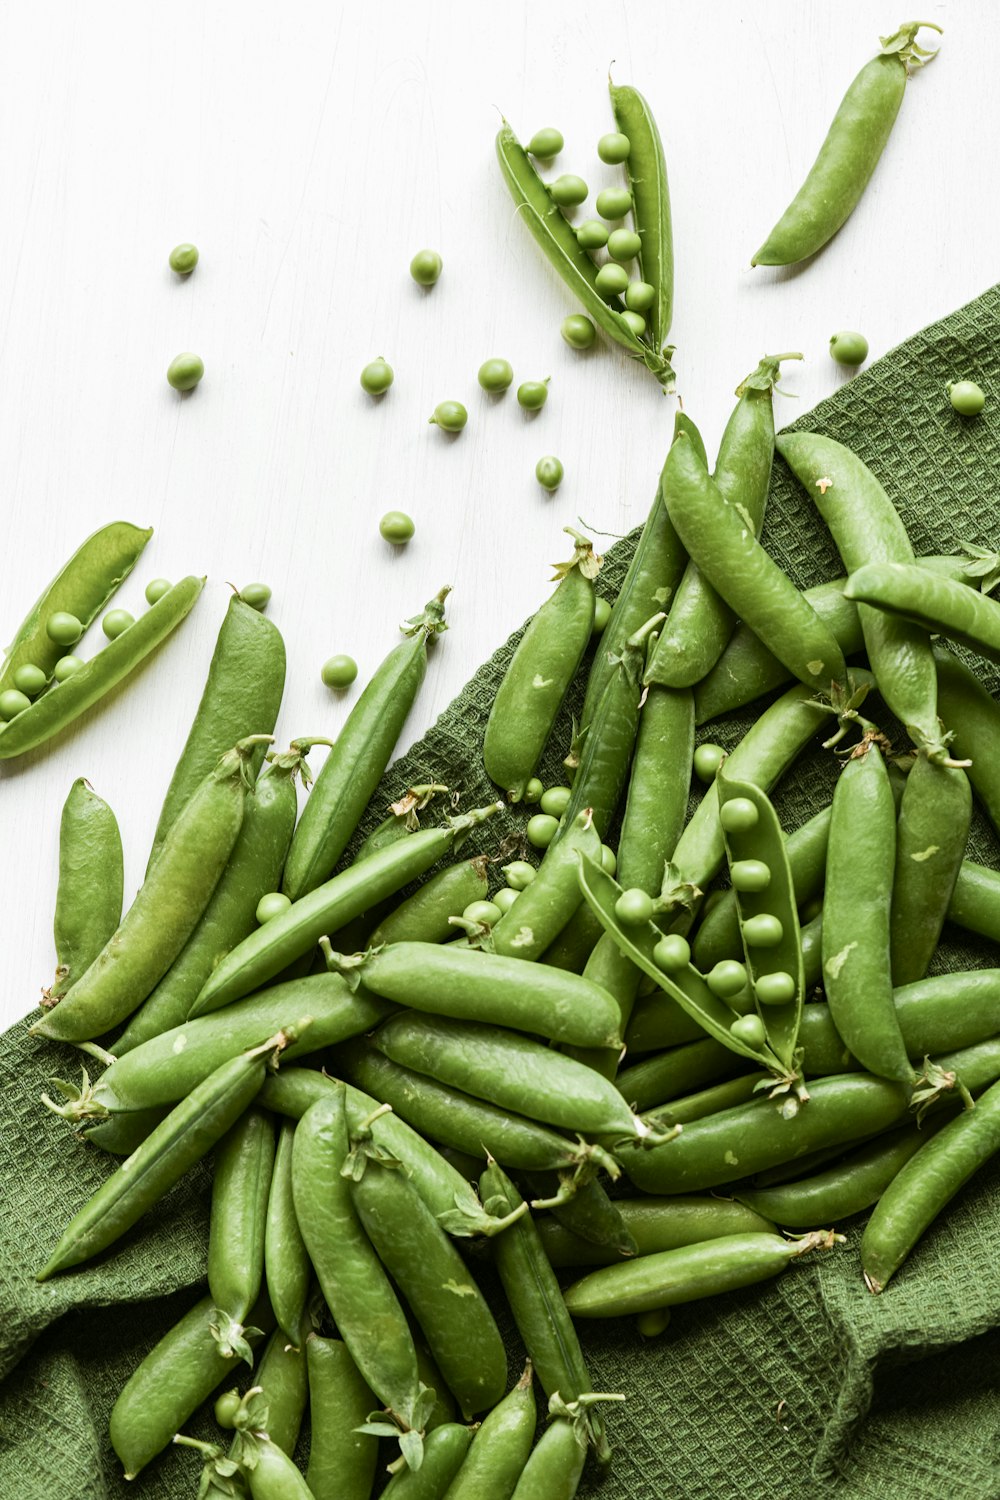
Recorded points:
(240,1182)
(931,836)
(500,1448)
(342,1461)
(91,883)
(655,1224)
(543,909)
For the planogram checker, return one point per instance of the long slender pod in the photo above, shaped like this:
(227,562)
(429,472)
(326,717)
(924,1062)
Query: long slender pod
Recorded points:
(91,883)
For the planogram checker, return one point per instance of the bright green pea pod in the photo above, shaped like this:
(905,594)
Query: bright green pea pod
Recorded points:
(500,1448)
(940,605)
(544,907)
(122,1133)
(850,152)
(931,836)
(274,1476)
(444,1452)
(970,711)
(240,1181)
(926,1185)
(655,1225)
(357,762)
(403,819)
(241,697)
(425,917)
(342,1461)
(555,1467)
(91,882)
(572,949)
(709,1101)
(82,588)
(65,701)
(286,1260)
(609,967)
(544,663)
(658,788)
(646,169)
(283,1377)
(164,913)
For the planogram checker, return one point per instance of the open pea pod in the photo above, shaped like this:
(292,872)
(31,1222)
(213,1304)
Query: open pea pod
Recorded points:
(769,919)
(683,984)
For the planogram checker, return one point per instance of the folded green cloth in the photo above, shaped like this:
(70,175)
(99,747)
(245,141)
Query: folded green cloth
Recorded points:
(805,1385)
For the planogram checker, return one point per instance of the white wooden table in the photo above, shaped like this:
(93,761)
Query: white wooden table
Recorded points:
(309,150)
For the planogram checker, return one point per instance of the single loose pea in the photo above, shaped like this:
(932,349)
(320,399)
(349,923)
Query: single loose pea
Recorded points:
(763,931)
(611,280)
(65,667)
(635,321)
(450,416)
(156,588)
(183,259)
(640,296)
(652,1324)
(624,244)
(63,628)
(578,331)
(614,203)
(425,267)
(707,760)
(487,913)
(533,789)
(555,800)
(257,595)
(339,671)
(272,905)
(519,874)
(750,875)
(614,148)
(726,979)
(634,907)
(396,526)
(545,143)
(602,614)
(377,377)
(116,622)
(549,472)
(541,830)
(568,190)
(592,235)
(12,703)
(226,1407)
(533,394)
(849,348)
(609,859)
(738,815)
(966,397)
(505,897)
(496,374)
(672,953)
(749,1029)
(185,371)
(30,679)
(776,989)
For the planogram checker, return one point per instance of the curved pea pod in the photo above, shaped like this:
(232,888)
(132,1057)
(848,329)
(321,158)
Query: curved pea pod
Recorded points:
(969,709)
(926,1185)
(940,605)
(91,883)
(580,1203)
(687,1274)
(572,949)
(342,1461)
(931,837)
(444,1452)
(283,1378)
(120,1134)
(658,788)
(500,1447)
(849,154)
(357,762)
(555,1467)
(274,1476)
(717,1096)
(558,241)
(240,1181)
(751,1137)
(63,702)
(403,818)
(975,901)
(663,1076)
(544,907)
(425,917)
(241,697)
(469,986)
(544,663)
(646,169)
(655,1225)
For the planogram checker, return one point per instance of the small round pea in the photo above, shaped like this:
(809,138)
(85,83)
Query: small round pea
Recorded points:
(377,377)
(634,907)
(63,628)
(614,203)
(183,259)
(726,979)
(640,296)
(966,397)
(592,235)
(396,526)
(652,1324)
(339,671)
(707,760)
(505,897)
(450,416)
(602,614)
(549,472)
(635,321)
(750,875)
(568,190)
(272,905)
(672,953)
(533,789)
(12,703)
(545,143)
(609,859)
(257,595)
(226,1407)
(614,148)
(578,331)
(65,667)
(425,267)
(738,815)
(487,913)
(116,622)
(519,874)
(156,588)
(533,394)
(749,1029)
(775,989)
(763,931)
(555,800)
(611,280)
(185,371)
(30,679)
(541,830)
(496,374)
(624,244)
(849,348)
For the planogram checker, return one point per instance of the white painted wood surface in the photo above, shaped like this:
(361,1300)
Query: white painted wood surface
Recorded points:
(309,150)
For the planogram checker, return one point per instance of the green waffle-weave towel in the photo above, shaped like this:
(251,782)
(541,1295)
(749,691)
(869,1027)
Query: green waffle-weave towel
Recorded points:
(808,1385)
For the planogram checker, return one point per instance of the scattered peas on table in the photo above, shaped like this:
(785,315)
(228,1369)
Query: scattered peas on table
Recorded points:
(396,527)
(185,371)
(849,348)
(533,394)
(377,377)
(183,259)
(496,375)
(426,267)
(450,416)
(549,472)
(339,671)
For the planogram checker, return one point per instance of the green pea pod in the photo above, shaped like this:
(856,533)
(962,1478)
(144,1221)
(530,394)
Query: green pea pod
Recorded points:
(555,1468)
(91,882)
(655,1225)
(975,902)
(444,1408)
(63,702)
(557,238)
(850,152)
(241,1178)
(164,913)
(969,709)
(286,1260)
(572,948)
(357,762)
(500,1448)
(926,1185)
(931,837)
(646,169)
(583,1208)
(283,1378)
(444,1453)
(82,587)
(940,605)
(658,788)
(403,819)
(185,1136)
(274,1476)
(242,696)
(613,971)
(544,907)
(709,1101)
(659,1024)
(544,663)
(425,917)
(120,1134)
(342,1461)
(668,1075)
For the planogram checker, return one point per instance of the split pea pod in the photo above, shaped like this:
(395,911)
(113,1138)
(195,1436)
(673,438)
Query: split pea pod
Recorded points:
(286,1260)
(931,836)
(240,1181)
(164,913)
(646,169)
(500,1448)
(91,881)
(655,1224)
(425,917)
(555,1466)
(971,712)
(342,1461)
(357,762)
(850,152)
(543,908)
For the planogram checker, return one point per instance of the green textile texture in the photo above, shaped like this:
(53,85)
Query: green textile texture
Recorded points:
(805,1385)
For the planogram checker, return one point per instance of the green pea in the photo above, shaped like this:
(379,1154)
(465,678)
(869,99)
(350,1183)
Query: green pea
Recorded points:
(651,1324)
(624,244)
(63,628)
(12,703)
(533,394)
(257,595)
(749,1029)
(541,830)
(65,667)
(396,527)
(602,614)
(549,472)
(156,588)
(640,296)
(672,953)
(425,267)
(555,800)
(763,931)
(592,235)
(609,859)
(578,331)
(505,897)
(450,416)
(611,280)
(568,190)
(519,874)
(726,979)
(274,904)
(738,815)
(226,1407)
(849,348)
(496,374)
(183,259)
(30,680)
(339,671)
(533,789)
(614,148)
(487,913)
(750,875)
(185,371)
(775,989)
(377,377)
(635,321)
(116,622)
(545,143)
(614,203)
(634,907)
(966,397)
(707,760)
